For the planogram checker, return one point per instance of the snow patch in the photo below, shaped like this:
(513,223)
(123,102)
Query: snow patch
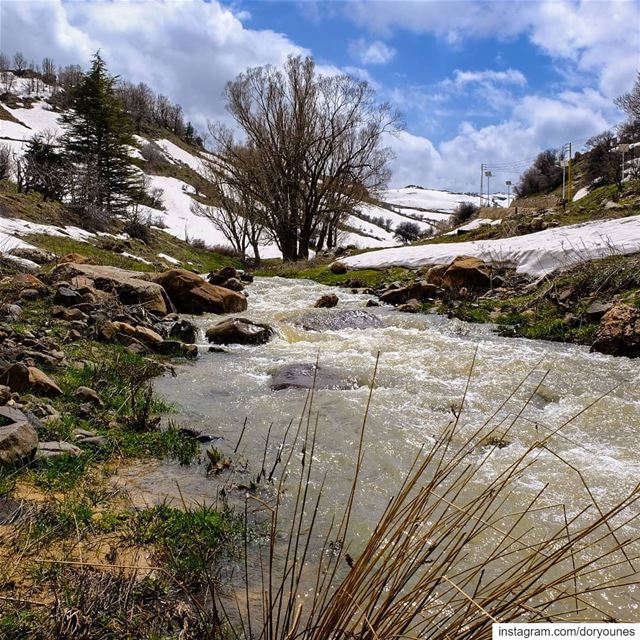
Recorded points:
(169,259)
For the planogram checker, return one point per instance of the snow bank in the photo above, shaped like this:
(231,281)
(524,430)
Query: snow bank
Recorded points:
(169,259)
(474,224)
(180,155)
(536,254)
(37,119)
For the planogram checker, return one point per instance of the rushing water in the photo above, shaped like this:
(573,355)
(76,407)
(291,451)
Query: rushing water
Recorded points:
(423,371)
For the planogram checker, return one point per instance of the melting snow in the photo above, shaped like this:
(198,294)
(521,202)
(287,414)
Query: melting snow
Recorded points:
(164,256)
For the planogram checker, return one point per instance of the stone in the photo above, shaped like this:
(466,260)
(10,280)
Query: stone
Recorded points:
(184,330)
(434,274)
(596,310)
(131,287)
(86,394)
(619,332)
(22,281)
(233,283)
(16,377)
(34,254)
(247,278)
(222,275)
(338,319)
(372,303)
(5,394)
(11,312)
(29,294)
(177,349)
(412,306)
(306,376)
(399,295)
(42,383)
(189,293)
(18,441)
(56,448)
(74,314)
(136,348)
(67,297)
(147,335)
(338,268)
(327,301)
(467,271)
(239,331)
(96,441)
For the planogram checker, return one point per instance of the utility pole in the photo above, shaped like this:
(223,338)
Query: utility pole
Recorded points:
(481,183)
(508,183)
(565,163)
(488,174)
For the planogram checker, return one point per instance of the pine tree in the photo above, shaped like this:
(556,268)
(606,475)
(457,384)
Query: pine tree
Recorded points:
(98,134)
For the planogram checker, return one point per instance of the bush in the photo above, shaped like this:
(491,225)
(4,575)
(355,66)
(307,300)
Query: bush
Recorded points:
(138,230)
(542,177)
(463,212)
(153,155)
(407,232)
(6,162)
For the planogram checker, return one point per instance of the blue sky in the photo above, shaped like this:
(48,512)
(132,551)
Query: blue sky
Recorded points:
(477,81)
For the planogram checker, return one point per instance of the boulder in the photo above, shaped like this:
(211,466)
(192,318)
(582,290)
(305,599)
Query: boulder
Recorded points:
(67,297)
(11,312)
(467,271)
(131,287)
(86,394)
(338,268)
(307,376)
(434,275)
(33,254)
(233,283)
(239,331)
(413,306)
(337,320)
(18,440)
(619,332)
(22,281)
(56,448)
(42,383)
(414,291)
(326,301)
(596,310)
(222,275)
(16,377)
(191,294)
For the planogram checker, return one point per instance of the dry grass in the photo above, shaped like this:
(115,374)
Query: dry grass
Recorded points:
(448,557)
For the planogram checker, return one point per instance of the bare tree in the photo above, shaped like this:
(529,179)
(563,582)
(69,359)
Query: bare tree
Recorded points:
(5,63)
(237,214)
(19,63)
(6,161)
(48,71)
(312,148)
(629,102)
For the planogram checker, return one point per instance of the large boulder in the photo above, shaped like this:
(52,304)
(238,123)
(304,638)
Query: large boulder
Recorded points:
(16,377)
(413,291)
(18,440)
(191,294)
(239,331)
(131,287)
(338,268)
(307,376)
(619,332)
(220,276)
(42,383)
(22,281)
(336,320)
(467,271)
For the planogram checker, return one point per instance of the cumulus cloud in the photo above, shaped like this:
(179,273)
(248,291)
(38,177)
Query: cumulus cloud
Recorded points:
(488,76)
(185,49)
(375,52)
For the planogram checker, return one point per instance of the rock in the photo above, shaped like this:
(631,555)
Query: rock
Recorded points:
(239,331)
(338,268)
(29,294)
(22,281)
(34,254)
(67,297)
(233,283)
(136,348)
(106,331)
(326,301)
(16,377)
(76,258)
(619,332)
(570,320)
(147,335)
(191,294)
(177,349)
(466,271)
(222,275)
(336,320)
(399,295)
(434,275)
(96,441)
(18,441)
(372,303)
(247,278)
(56,448)
(413,306)
(596,310)
(305,376)
(87,394)
(538,224)
(184,330)
(74,314)
(5,394)
(131,287)
(42,383)
(612,205)
(11,312)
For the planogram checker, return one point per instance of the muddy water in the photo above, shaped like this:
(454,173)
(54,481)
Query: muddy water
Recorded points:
(423,370)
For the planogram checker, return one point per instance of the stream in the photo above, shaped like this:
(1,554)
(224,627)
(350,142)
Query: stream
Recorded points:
(423,371)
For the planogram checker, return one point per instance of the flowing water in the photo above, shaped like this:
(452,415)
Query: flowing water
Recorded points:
(422,374)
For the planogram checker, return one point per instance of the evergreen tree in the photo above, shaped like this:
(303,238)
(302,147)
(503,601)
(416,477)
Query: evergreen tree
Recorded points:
(44,168)
(98,134)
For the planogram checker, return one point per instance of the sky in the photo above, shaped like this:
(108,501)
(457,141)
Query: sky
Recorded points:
(477,82)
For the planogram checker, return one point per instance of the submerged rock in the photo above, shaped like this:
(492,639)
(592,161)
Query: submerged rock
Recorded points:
(239,331)
(326,301)
(306,376)
(337,320)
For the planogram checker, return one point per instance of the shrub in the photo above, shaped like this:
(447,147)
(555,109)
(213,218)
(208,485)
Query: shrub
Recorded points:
(139,230)
(407,231)
(463,212)
(542,177)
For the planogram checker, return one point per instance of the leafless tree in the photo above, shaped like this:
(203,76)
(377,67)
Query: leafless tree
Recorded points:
(312,148)
(236,214)
(48,71)
(5,63)
(7,80)
(6,162)
(629,102)
(19,63)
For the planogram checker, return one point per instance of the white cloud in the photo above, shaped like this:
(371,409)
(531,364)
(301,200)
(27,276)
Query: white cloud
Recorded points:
(186,49)
(375,52)
(488,76)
